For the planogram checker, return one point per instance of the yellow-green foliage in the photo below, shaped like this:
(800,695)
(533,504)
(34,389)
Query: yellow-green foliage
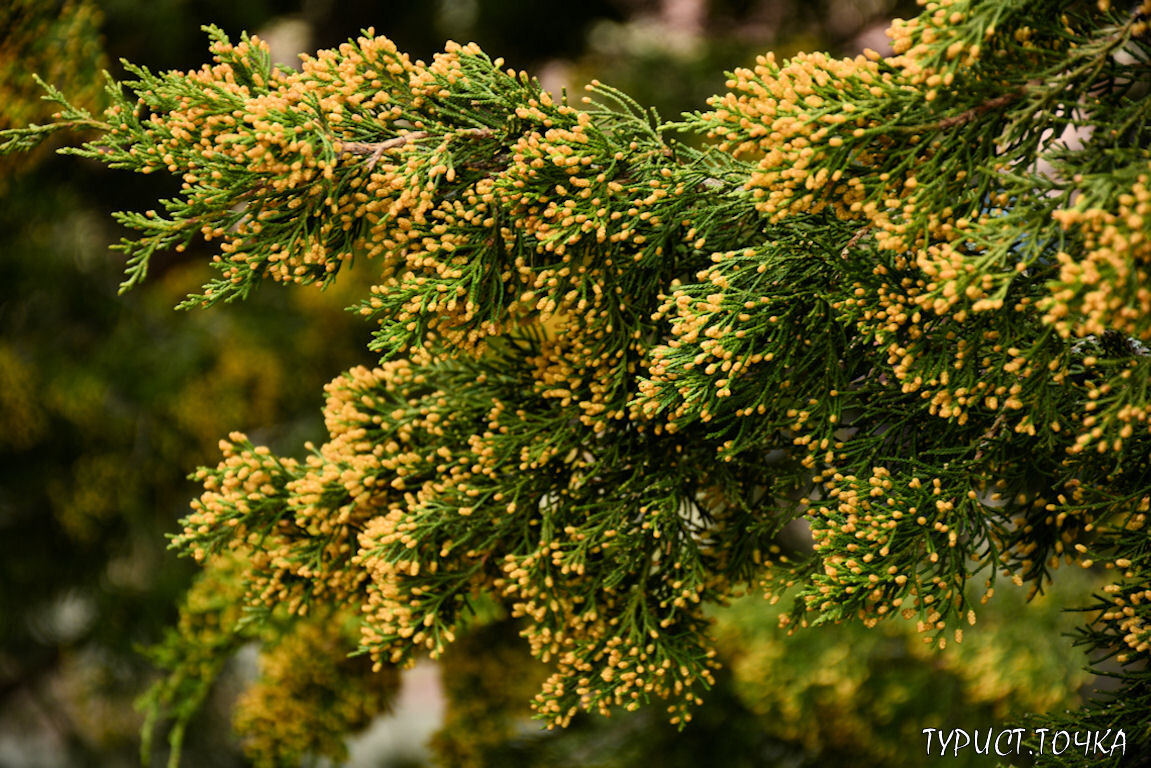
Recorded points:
(195,651)
(22,420)
(310,694)
(847,692)
(487,677)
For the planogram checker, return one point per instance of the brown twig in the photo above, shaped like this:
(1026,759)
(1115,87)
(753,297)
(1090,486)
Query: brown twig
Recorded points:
(859,233)
(963,117)
(375,149)
(989,435)
(970,114)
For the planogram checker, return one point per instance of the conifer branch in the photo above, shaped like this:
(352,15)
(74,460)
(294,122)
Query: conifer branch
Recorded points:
(977,111)
(590,346)
(964,117)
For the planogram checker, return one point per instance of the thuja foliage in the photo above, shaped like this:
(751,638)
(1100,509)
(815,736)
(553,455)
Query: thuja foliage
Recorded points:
(902,299)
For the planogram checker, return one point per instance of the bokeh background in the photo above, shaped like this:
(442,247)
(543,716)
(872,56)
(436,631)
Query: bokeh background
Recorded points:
(107,403)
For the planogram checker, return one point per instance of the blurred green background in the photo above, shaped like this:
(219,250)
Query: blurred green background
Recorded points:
(107,403)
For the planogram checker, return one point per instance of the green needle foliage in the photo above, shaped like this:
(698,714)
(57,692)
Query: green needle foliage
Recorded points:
(902,299)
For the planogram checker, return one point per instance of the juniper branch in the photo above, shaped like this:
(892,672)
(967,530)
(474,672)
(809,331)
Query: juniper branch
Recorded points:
(592,346)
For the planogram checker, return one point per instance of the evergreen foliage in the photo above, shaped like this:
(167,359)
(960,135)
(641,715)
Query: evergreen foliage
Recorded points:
(883,296)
